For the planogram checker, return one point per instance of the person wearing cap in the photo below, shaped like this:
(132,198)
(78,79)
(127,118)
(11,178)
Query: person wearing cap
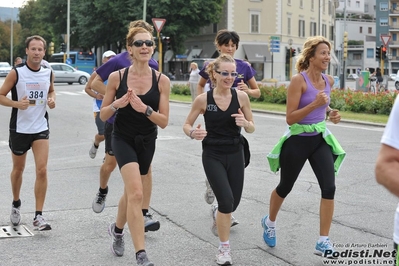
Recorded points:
(97,101)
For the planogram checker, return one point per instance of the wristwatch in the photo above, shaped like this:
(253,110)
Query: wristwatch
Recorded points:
(113,108)
(149,111)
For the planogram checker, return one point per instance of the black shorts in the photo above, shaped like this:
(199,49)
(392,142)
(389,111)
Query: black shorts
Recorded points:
(108,128)
(20,143)
(127,152)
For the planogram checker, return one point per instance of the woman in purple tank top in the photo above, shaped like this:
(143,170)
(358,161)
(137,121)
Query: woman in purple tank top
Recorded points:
(308,98)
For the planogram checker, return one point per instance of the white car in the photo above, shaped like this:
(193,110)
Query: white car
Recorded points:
(5,68)
(64,73)
(392,76)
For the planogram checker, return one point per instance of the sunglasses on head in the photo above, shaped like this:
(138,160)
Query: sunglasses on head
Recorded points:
(140,43)
(226,74)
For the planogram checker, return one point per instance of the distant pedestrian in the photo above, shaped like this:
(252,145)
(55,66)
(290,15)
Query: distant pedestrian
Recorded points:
(32,89)
(17,61)
(193,80)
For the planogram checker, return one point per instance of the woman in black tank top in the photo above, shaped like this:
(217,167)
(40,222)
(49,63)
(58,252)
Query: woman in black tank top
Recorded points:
(141,106)
(226,111)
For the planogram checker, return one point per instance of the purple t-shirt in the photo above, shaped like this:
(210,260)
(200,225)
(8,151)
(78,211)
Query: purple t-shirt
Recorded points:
(119,61)
(244,70)
(318,114)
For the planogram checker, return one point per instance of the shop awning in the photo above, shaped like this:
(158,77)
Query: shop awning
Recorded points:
(194,53)
(208,51)
(257,53)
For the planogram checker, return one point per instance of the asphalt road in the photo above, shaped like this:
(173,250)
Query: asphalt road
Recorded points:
(363,218)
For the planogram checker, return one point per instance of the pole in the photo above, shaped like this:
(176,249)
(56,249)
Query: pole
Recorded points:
(12,35)
(159,52)
(68,28)
(272,64)
(344,59)
(144,10)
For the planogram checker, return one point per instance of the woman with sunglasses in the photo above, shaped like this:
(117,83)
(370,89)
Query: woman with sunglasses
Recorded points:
(225,112)
(141,105)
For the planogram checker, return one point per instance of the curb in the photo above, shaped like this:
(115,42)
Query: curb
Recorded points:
(347,121)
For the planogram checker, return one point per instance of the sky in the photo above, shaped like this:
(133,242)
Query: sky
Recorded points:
(11,3)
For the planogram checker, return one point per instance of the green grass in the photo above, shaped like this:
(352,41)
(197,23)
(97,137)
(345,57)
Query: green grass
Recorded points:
(381,119)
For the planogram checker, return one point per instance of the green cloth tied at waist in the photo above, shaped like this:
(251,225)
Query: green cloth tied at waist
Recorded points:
(274,156)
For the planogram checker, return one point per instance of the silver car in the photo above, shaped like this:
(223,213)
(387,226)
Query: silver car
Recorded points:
(5,68)
(64,73)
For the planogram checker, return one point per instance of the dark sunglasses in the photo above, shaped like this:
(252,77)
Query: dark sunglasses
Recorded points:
(226,74)
(140,43)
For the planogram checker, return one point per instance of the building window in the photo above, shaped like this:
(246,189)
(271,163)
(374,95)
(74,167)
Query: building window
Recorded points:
(289,26)
(384,6)
(370,30)
(289,2)
(324,6)
(357,4)
(301,32)
(383,22)
(312,5)
(370,52)
(394,22)
(394,37)
(313,30)
(349,3)
(254,23)
(360,29)
(300,3)
(324,30)
(357,56)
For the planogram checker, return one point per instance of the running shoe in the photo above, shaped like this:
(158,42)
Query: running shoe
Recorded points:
(117,242)
(234,221)
(98,204)
(214,229)
(224,255)
(15,216)
(41,224)
(142,260)
(324,249)
(269,233)
(150,224)
(209,195)
(93,151)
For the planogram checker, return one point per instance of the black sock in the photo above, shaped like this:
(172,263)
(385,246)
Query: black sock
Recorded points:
(38,213)
(103,190)
(16,203)
(145,211)
(118,230)
(138,252)
(95,146)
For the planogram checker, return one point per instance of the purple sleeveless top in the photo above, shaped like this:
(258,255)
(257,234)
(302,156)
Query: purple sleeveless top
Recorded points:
(319,114)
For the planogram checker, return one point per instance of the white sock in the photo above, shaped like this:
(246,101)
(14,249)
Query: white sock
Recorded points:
(225,243)
(270,223)
(322,239)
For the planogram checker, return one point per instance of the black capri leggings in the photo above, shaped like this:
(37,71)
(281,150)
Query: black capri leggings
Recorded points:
(295,151)
(225,173)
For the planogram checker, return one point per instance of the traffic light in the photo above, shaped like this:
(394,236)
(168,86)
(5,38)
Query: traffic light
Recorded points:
(384,52)
(63,47)
(287,54)
(166,43)
(51,48)
(378,52)
(293,52)
(345,44)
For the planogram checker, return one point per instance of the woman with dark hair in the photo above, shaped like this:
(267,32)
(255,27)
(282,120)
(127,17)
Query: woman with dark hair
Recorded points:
(225,111)
(307,139)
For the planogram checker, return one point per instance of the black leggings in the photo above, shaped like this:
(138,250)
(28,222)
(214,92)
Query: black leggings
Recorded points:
(295,151)
(225,173)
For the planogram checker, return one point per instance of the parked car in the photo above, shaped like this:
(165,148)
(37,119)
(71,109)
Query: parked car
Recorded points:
(5,68)
(66,74)
(353,76)
(392,76)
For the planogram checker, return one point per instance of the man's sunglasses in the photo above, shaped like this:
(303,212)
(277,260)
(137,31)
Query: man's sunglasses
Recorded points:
(140,43)
(226,74)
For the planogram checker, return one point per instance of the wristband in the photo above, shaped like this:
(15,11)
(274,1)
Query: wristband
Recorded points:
(191,133)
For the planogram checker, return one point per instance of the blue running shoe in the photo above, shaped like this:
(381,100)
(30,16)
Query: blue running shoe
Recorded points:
(269,233)
(325,249)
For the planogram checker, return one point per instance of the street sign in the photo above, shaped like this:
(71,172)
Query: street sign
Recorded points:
(274,44)
(385,39)
(158,23)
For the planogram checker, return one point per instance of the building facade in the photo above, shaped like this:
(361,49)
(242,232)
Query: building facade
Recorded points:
(289,22)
